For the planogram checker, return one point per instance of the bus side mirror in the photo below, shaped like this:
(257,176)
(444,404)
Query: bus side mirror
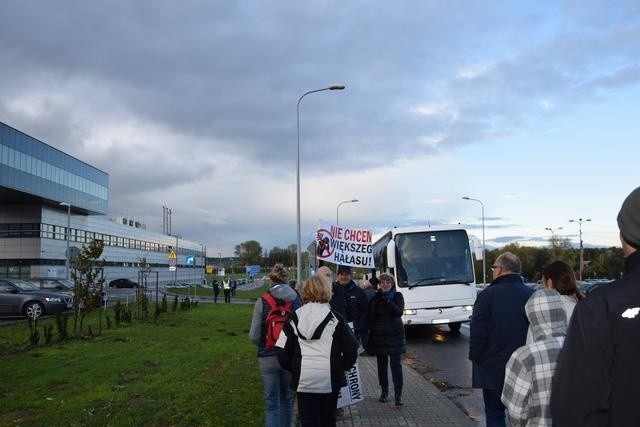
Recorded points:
(391,254)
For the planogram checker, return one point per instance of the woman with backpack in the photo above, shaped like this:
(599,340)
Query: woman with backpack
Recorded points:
(317,347)
(269,315)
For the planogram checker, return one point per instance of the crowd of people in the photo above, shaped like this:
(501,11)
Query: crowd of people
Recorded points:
(553,357)
(319,332)
(542,358)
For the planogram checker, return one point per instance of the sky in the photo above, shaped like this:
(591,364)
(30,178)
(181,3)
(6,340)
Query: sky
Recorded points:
(530,107)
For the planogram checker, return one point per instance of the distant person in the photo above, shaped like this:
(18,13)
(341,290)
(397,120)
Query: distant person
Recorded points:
(386,337)
(338,300)
(268,320)
(356,308)
(598,370)
(234,286)
(559,276)
(498,327)
(527,384)
(226,288)
(369,292)
(216,290)
(318,347)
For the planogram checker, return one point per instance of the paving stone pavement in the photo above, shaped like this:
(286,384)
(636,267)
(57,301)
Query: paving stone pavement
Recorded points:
(424,404)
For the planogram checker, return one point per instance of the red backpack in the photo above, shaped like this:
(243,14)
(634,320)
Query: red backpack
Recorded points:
(278,313)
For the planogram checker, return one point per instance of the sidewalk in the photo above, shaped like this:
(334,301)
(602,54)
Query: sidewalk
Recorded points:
(424,404)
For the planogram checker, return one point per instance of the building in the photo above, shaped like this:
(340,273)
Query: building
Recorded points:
(43,189)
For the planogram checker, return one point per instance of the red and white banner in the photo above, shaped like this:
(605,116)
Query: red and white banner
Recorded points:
(344,245)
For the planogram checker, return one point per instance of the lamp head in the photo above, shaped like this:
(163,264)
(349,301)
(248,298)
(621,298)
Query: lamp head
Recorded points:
(465,198)
(336,87)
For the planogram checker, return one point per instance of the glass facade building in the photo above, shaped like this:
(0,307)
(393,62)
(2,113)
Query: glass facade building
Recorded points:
(30,166)
(34,179)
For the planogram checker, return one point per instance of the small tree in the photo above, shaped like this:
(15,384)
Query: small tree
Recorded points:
(87,282)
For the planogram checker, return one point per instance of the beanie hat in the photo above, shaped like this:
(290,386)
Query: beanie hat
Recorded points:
(629,219)
(344,269)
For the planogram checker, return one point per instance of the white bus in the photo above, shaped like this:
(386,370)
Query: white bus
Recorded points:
(433,268)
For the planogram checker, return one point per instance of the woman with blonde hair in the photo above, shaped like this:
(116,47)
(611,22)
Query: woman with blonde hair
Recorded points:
(317,347)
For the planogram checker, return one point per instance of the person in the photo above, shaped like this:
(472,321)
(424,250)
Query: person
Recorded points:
(527,383)
(278,404)
(356,300)
(234,286)
(317,347)
(369,292)
(338,300)
(598,367)
(498,327)
(559,276)
(226,285)
(216,290)
(386,335)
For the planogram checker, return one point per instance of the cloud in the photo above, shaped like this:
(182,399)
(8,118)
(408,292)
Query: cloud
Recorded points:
(194,107)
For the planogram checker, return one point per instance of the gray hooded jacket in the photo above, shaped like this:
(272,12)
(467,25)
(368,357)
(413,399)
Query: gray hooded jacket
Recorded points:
(280,291)
(528,375)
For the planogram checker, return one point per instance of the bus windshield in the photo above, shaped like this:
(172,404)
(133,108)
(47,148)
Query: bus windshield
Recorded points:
(433,258)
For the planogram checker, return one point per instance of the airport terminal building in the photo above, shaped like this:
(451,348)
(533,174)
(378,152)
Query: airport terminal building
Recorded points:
(43,189)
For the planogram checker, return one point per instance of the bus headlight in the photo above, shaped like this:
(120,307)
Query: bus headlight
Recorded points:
(469,308)
(410,312)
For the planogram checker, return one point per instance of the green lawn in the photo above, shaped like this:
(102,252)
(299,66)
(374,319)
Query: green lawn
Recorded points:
(194,367)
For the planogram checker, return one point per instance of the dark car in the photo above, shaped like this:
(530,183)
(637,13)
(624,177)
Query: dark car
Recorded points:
(589,286)
(20,298)
(52,283)
(122,283)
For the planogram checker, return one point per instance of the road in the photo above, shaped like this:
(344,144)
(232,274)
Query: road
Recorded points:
(441,357)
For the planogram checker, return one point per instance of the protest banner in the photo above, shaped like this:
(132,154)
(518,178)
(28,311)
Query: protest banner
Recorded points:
(352,392)
(344,245)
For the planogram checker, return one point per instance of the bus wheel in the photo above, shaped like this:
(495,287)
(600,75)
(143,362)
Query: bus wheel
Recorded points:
(455,327)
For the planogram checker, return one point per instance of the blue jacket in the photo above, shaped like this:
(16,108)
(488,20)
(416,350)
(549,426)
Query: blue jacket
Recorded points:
(498,327)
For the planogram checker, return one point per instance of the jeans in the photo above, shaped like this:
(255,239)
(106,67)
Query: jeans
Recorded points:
(277,393)
(493,408)
(316,409)
(396,371)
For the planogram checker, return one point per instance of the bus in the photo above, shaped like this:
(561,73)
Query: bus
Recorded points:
(433,268)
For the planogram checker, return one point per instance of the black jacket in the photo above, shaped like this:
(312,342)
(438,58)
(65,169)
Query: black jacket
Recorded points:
(498,327)
(306,362)
(356,308)
(598,371)
(386,329)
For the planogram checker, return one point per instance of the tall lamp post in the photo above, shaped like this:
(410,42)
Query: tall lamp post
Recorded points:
(342,203)
(175,273)
(580,221)
(298,250)
(66,235)
(484,258)
(553,233)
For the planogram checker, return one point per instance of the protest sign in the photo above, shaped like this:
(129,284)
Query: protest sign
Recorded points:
(352,392)
(344,245)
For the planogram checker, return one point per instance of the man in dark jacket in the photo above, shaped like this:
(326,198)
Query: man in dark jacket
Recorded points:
(598,370)
(356,309)
(498,327)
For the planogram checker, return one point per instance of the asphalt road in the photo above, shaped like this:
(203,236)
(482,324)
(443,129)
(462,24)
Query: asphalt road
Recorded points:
(442,357)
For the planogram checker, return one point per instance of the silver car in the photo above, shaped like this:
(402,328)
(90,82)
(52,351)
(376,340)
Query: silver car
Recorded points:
(20,298)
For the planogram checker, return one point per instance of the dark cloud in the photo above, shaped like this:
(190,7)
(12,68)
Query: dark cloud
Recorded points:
(224,77)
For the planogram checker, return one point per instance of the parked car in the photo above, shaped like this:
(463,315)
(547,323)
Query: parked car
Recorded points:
(53,283)
(122,283)
(21,298)
(589,286)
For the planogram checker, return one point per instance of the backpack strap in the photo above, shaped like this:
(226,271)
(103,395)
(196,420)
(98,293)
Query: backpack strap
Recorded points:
(270,300)
(318,332)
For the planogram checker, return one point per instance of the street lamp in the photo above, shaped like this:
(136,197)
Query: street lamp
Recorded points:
(580,221)
(66,234)
(484,258)
(298,251)
(342,203)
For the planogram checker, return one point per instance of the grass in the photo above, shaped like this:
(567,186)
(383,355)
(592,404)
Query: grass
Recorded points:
(194,367)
